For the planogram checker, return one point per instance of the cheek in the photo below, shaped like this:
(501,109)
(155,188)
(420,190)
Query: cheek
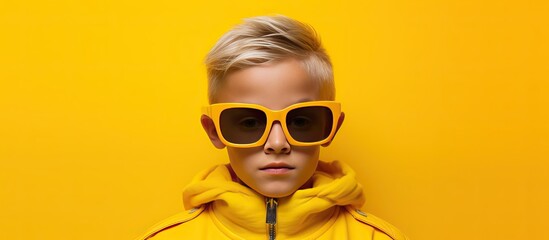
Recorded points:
(240,157)
(307,157)
(309,153)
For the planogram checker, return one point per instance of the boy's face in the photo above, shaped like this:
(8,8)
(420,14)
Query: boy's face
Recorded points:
(276,169)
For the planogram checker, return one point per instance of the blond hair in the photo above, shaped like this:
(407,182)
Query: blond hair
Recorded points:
(267,39)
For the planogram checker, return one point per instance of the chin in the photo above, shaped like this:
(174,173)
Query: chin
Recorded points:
(276,195)
(279,193)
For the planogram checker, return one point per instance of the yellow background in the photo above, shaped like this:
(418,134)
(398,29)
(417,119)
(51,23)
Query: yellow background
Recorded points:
(447,107)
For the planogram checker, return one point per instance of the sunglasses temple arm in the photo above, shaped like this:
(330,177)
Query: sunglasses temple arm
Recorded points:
(206,110)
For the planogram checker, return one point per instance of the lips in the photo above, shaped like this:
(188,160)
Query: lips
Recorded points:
(277,168)
(277,165)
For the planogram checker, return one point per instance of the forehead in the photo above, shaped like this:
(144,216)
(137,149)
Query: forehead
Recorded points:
(274,85)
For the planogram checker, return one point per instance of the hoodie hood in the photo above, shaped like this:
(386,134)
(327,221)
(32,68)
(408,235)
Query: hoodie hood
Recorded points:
(242,210)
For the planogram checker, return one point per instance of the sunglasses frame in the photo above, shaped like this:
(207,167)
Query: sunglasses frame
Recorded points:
(214,112)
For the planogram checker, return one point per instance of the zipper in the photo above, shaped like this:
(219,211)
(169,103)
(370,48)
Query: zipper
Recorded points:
(271,205)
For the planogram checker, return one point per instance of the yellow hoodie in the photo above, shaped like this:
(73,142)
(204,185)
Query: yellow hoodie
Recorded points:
(219,208)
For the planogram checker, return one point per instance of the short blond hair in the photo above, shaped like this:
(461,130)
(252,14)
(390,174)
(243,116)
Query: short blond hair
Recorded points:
(267,39)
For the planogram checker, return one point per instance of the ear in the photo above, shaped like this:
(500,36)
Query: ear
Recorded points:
(209,127)
(339,123)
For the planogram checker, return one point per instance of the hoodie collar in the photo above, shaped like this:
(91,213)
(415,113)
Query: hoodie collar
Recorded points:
(242,210)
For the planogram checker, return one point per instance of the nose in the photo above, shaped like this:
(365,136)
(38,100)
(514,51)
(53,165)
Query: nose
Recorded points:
(277,142)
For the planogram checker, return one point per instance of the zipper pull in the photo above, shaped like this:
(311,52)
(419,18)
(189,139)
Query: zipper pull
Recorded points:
(271,205)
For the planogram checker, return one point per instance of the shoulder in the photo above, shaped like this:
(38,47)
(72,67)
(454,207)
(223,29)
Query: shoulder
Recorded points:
(377,223)
(172,221)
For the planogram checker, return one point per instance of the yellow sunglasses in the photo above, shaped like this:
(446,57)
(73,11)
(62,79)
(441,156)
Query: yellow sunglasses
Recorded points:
(247,125)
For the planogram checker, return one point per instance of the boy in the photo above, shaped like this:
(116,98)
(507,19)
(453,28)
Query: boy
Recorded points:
(271,89)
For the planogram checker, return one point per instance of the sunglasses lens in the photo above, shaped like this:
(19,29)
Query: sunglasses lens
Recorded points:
(310,124)
(242,125)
